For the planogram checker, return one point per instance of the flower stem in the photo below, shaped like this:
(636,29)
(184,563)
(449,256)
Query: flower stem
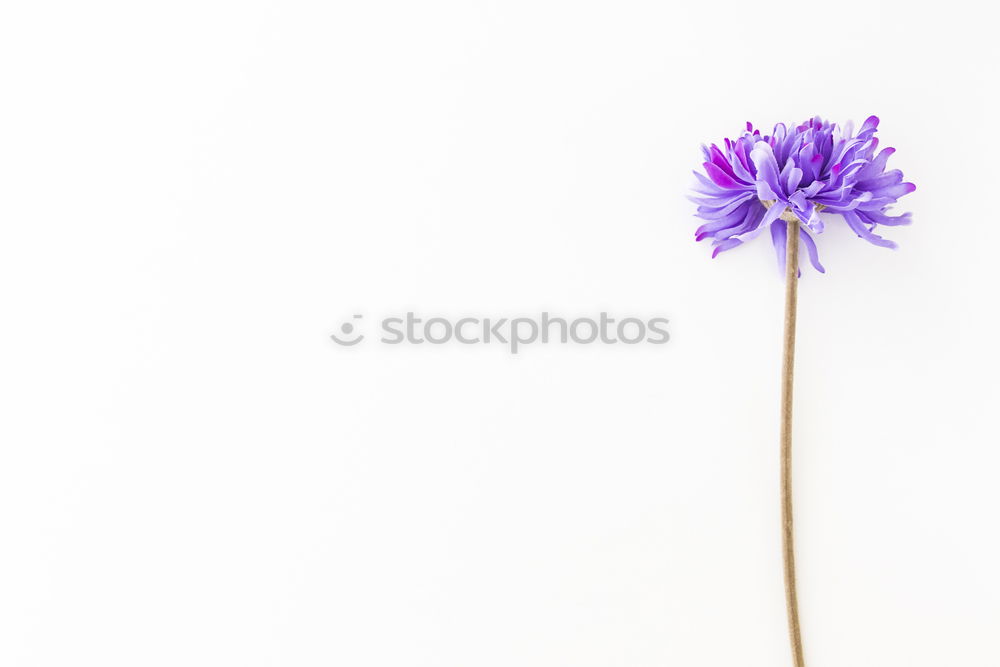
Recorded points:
(787,372)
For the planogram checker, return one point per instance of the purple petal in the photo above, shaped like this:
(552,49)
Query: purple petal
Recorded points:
(894,191)
(876,166)
(721,178)
(884,180)
(773,213)
(793,178)
(725,245)
(881,218)
(856,224)
(707,187)
(810,245)
(720,161)
(869,126)
(713,227)
(768,185)
(714,213)
(779,237)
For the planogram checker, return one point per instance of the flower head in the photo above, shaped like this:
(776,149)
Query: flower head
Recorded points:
(759,182)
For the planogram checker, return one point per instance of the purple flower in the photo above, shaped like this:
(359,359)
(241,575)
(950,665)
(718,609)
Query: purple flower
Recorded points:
(759,182)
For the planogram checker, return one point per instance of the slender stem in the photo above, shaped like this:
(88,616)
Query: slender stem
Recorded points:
(787,372)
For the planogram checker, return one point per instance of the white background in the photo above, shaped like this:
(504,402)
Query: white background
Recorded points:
(194,195)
